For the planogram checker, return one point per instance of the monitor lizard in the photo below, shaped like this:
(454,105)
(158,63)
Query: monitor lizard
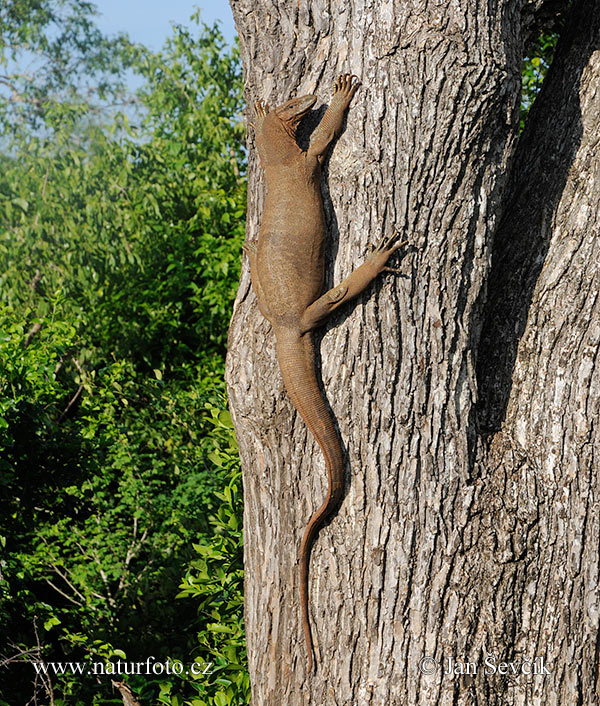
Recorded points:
(287,274)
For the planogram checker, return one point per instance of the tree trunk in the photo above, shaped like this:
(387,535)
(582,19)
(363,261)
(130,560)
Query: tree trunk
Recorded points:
(465,389)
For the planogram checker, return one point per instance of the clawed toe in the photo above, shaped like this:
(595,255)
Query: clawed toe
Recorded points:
(250,247)
(346,84)
(261,108)
(390,242)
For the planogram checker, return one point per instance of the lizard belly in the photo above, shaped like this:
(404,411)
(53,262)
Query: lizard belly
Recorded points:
(290,270)
(290,243)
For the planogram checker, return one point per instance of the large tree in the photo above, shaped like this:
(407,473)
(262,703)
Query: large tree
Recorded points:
(466,389)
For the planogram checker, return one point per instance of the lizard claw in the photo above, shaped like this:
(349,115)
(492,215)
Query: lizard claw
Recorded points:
(261,108)
(390,243)
(386,247)
(346,86)
(250,247)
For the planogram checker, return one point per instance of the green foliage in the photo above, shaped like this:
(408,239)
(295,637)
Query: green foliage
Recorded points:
(215,582)
(51,53)
(535,66)
(119,257)
(142,230)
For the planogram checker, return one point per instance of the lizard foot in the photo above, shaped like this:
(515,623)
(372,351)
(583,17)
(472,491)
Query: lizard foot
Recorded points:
(386,247)
(345,87)
(261,108)
(250,247)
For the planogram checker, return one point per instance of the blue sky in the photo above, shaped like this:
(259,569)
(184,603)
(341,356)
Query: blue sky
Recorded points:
(148,21)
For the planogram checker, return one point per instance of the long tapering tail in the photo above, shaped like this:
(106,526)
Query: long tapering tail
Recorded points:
(296,357)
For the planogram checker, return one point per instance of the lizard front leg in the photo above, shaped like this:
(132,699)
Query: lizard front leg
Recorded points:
(353,285)
(332,121)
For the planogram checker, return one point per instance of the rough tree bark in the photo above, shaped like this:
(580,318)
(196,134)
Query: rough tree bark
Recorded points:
(466,391)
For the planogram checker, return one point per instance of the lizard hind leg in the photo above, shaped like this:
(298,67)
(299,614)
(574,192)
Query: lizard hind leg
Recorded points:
(353,285)
(386,246)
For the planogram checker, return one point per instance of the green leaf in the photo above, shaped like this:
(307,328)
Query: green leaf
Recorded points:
(51,622)
(221,699)
(21,203)
(135,230)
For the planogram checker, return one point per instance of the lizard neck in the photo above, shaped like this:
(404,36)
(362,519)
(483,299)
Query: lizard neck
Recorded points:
(276,142)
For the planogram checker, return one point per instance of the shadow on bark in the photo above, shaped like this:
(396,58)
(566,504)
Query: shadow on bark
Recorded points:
(543,158)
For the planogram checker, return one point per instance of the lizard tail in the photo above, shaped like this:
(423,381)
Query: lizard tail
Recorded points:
(296,357)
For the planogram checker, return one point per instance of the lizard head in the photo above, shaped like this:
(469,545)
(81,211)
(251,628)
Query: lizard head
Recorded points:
(276,130)
(292,111)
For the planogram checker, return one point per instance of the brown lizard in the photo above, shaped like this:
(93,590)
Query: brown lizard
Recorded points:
(287,272)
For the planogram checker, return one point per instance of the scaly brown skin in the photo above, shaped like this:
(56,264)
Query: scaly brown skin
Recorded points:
(287,271)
